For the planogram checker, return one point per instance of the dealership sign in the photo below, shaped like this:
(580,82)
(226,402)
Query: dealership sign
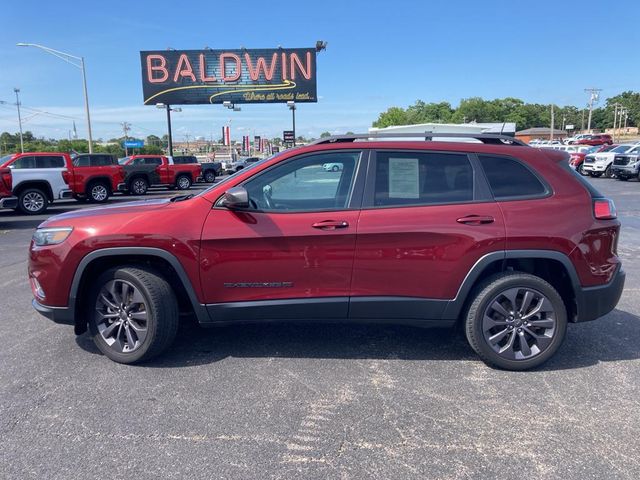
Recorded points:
(274,75)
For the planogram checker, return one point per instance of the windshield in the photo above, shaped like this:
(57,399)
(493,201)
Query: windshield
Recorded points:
(5,159)
(123,161)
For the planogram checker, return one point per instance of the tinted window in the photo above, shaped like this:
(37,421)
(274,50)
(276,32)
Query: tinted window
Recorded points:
(152,161)
(304,185)
(24,162)
(52,161)
(184,160)
(510,178)
(411,178)
(82,161)
(102,160)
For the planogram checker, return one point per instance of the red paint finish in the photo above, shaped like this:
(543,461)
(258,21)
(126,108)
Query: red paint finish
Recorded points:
(422,251)
(240,247)
(167,171)
(6,182)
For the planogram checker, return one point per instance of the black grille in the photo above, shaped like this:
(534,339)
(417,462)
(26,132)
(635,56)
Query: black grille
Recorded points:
(621,161)
(589,159)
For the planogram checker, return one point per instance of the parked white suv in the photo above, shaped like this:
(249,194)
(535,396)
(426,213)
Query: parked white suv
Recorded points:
(38,179)
(598,164)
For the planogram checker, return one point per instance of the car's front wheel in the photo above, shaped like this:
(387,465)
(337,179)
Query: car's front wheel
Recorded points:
(608,173)
(516,321)
(133,314)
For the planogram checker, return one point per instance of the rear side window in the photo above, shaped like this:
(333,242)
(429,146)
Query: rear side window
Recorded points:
(49,161)
(152,161)
(82,161)
(508,178)
(415,178)
(103,161)
(24,162)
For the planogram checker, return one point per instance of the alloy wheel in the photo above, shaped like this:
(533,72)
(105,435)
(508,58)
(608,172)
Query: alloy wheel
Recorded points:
(139,187)
(99,193)
(121,316)
(210,177)
(519,323)
(183,183)
(33,201)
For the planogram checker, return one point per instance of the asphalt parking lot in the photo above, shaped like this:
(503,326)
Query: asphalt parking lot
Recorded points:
(316,401)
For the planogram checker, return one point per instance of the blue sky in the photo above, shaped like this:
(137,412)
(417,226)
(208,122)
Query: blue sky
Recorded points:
(380,54)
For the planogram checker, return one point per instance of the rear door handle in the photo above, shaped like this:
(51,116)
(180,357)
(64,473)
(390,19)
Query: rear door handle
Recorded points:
(476,219)
(330,224)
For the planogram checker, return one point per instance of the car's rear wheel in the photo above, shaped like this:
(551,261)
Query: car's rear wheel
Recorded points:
(32,201)
(210,176)
(98,192)
(183,182)
(516,321)
(138,186)
(133,314)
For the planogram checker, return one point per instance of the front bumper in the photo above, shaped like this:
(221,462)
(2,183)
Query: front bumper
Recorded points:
(9,202)
(594,167)
(594,302)
(625,171)
(62,315)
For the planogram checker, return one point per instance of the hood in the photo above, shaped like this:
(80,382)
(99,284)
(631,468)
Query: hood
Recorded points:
(118,209)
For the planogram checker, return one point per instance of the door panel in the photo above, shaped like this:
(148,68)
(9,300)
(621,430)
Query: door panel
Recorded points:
(265,256)
(428,218)
(296,242)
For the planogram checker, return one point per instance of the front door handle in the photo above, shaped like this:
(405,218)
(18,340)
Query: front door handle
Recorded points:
(476,219)
(330,224)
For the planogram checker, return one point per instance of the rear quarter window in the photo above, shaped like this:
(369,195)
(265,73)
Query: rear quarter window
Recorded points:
(511,179)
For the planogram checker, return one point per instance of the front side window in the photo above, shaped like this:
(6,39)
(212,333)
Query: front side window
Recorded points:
(81,161)
(422,178)
(509,178)
(304,185)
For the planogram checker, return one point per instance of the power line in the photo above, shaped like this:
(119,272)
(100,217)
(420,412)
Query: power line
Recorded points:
(594,95)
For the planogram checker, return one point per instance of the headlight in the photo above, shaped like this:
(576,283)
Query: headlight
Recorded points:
(51,236)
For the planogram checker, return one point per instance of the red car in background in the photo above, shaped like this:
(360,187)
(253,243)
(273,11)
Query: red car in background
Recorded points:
(599,139)
(576,159)
(143,171)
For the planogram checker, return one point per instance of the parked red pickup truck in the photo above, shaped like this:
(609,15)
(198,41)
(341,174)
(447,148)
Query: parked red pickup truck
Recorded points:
(143,171)
(40,178)
(7,200)
(595,140)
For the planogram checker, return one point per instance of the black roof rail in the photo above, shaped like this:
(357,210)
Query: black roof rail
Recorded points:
(488,138)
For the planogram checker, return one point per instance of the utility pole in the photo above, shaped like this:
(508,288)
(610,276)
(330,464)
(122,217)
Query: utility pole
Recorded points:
(17,90)
(125,128)
(553,123)
(594,94)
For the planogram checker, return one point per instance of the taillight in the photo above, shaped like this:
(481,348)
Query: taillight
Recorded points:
(7,180)
(604,209)
(66,176)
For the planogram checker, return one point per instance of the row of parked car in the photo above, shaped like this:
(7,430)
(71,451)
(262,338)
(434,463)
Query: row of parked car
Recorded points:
(32,181)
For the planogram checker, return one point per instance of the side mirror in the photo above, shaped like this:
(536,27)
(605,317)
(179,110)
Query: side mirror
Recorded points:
(236,197)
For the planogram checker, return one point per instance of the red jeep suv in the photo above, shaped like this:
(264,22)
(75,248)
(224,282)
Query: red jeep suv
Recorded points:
(505,240)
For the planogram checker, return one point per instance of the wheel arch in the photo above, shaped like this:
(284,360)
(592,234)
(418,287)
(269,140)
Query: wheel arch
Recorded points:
(550,265)
(98,179)
(41,184)
(158,259)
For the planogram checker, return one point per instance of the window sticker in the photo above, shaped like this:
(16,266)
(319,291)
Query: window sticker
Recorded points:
(403,178)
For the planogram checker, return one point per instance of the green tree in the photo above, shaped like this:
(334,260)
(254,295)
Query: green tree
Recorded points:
(325,134)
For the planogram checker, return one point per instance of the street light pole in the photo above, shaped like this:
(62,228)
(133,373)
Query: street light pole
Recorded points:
(170,140)
(17,90)
(67,57)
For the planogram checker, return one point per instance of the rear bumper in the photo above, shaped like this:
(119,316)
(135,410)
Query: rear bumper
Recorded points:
(594,302)
(62,315)
(8,202)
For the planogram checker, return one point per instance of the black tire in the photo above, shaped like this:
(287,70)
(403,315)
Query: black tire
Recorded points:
(138,186)
(595,174)
(32,201)
(608,173)
(623,179)
(210,176)
(335,168)
(160,308)
(183,182)
(98,192)
(580,170)
(478,322)
(238,169)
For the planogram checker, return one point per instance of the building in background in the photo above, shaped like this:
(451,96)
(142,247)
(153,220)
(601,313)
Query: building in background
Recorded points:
(540,133)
